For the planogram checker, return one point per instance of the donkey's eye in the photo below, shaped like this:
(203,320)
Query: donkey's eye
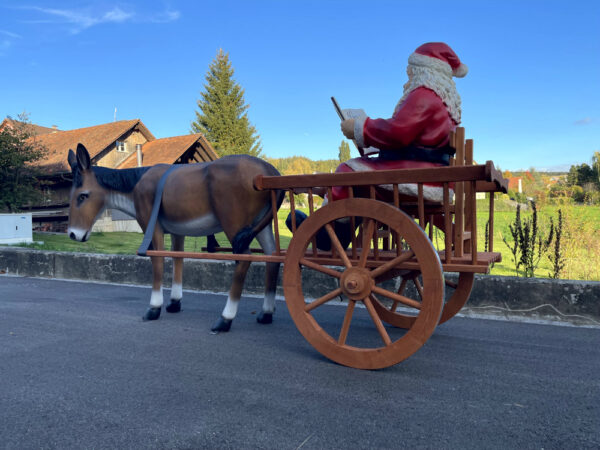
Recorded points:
(82,197)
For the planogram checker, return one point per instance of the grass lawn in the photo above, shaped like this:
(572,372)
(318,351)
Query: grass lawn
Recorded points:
(581,239)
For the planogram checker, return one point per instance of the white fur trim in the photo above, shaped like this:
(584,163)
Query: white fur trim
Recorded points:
(416,59)
(358,165)
(430,193)
(359,137)
(434,74)
(461,71)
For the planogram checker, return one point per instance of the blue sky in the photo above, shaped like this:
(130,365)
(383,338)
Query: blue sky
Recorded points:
(531,98)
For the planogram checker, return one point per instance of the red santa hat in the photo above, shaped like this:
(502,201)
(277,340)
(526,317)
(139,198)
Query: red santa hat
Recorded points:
(440,56)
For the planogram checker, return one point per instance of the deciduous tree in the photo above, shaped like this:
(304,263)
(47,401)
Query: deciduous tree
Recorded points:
(18,175)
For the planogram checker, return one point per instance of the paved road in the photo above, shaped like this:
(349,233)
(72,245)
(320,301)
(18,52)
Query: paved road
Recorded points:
(79,369)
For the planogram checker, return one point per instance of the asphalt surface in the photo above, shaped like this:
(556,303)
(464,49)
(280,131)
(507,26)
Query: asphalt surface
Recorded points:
(79,369)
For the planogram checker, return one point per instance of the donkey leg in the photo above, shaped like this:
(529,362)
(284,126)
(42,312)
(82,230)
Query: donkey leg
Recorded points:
(174,305)
(233,300)
(267,242)
(156,299)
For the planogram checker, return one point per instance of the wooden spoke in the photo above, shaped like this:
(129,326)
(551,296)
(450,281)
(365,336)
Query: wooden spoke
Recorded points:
(346,324)
(419,287)
(390,264)
(318,302)
(377,321)
(402,286)
(358,285)
(338,246)
(320,268)
(366,243)
(400,298)
(400,291)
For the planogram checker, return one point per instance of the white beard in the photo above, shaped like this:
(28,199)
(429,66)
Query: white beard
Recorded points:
(425,71)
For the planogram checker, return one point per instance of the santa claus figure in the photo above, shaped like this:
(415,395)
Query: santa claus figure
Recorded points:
(417,134)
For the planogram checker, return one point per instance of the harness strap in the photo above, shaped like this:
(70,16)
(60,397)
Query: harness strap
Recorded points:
(147,241)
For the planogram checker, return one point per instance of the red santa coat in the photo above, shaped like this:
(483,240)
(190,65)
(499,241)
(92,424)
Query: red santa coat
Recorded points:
(421,120)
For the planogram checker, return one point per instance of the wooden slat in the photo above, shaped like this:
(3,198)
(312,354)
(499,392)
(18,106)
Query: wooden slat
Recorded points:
(293,210)
(421,205)
(491,224)
(459,189)
(474,222)
(311,209)
(395,236)
(447,224)
(276,222)
(428,175)
(468,225)
(217,256)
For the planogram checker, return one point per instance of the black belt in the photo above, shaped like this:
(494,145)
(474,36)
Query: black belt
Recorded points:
(434,155)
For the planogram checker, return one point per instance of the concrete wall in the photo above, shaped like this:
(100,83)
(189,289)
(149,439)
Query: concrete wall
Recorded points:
(574,302)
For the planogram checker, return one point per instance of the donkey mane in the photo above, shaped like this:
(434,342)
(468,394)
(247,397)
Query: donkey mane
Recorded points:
(121,180)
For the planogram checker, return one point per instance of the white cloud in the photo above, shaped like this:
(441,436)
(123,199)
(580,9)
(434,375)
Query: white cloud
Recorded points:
(164,17)
(7,41)
(584,121)
(82,19)
(10,34)
(117,15)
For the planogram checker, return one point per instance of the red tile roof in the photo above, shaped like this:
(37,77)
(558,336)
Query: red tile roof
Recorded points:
(169,150)
(95,139)
(35,130)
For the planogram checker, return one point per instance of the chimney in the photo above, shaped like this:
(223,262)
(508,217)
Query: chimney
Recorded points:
(54,128)
(138,150)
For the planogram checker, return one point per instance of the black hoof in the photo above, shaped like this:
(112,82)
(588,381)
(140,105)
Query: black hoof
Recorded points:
(264,317)
(174,306)
(151,314)
(222,325)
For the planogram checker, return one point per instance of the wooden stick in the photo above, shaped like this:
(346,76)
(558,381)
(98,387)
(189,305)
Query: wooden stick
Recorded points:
(421,205)
(276,222)
(447,224)
(459,194)
(474,221)
(491,224)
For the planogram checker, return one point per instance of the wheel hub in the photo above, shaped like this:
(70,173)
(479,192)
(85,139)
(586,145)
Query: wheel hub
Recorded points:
(356,283)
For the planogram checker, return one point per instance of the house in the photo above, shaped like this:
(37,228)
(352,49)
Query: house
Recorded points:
(121,144)
(34,130)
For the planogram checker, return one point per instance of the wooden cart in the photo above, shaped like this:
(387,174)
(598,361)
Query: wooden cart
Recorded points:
(391,266)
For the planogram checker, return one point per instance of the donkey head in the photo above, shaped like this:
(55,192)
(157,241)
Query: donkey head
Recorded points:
(88,198)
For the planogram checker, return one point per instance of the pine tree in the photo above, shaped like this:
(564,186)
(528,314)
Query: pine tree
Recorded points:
(223,115)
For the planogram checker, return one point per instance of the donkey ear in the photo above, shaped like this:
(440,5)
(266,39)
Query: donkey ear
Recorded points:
(83,157)
(72,159)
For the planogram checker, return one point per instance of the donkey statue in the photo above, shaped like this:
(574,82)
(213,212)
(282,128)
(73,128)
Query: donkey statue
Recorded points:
(197,200)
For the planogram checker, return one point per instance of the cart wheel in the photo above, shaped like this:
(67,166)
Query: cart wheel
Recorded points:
(459,294)
(369,344)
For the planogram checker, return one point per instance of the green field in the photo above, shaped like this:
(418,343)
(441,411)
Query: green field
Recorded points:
(581,239)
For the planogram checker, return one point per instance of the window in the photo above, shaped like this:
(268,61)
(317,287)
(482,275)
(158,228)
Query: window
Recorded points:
(121,146)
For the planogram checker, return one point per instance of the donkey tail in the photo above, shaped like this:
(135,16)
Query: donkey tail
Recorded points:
(243,238)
